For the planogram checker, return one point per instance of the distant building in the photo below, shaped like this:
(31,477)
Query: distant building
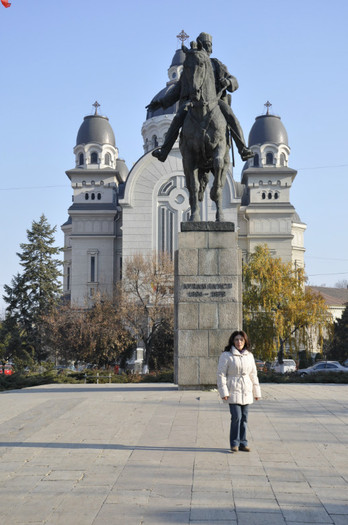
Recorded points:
(116,213)
(336,299)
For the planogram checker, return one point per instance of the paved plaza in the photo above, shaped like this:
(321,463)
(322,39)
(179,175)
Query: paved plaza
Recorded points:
(154,455)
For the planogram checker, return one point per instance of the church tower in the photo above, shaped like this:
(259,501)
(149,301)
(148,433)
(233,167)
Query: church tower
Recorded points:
(92,245)
(266,215)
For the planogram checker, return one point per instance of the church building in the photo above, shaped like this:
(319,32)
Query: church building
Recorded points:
(117,213)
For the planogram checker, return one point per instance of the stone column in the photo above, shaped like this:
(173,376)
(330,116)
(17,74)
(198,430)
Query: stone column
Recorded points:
(207,299)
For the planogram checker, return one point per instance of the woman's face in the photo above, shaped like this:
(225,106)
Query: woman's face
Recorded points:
(239,342)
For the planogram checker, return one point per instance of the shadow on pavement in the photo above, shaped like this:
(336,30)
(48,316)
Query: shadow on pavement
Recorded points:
(94,388)
(107,446)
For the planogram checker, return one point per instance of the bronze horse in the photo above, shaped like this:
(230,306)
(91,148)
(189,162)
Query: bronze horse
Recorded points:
(204,140)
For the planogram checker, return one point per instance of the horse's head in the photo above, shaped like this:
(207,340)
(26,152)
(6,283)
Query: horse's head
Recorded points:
(198,73)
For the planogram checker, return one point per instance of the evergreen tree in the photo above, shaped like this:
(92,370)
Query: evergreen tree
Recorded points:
(338,349)
(37,289)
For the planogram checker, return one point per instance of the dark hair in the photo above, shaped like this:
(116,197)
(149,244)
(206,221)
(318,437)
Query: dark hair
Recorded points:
(232,337)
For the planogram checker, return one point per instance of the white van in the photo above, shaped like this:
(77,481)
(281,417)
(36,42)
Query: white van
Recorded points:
(288,365)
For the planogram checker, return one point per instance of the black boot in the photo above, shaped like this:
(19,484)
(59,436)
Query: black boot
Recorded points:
(246,153)
(160,154)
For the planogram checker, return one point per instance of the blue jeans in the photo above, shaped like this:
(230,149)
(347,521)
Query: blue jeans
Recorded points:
(239,419)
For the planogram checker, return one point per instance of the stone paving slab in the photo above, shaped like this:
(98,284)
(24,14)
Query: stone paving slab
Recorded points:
(152,455)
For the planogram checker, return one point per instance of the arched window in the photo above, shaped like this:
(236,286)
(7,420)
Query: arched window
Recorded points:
(94,157)
(154,141)
(93,196)
(270,195)
(166,230)
(256,160)
(81,159)
(269,158)
(263,195)
(276,195)
(107,159)
(282,159)
(93,266)
(86,196)
(99,196)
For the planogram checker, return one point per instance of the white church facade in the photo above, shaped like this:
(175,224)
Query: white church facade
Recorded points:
(117,213)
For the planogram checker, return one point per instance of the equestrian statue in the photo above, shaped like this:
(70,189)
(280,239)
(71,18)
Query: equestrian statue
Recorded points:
(206,121)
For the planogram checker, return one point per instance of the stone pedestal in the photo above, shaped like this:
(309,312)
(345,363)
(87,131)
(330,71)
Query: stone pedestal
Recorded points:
(207,299)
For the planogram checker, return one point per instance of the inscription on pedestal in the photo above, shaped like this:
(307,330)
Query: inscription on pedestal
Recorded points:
(218,289)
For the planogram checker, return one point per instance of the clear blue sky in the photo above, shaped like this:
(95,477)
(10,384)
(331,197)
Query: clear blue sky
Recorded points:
(57,58)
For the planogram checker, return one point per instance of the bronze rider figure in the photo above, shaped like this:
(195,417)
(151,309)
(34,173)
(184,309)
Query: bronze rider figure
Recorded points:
(224,82)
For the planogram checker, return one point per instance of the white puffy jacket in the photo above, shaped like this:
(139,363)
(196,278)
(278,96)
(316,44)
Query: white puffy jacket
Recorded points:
(237,377)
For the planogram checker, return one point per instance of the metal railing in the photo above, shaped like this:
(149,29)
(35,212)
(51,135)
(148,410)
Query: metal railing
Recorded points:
(98,376)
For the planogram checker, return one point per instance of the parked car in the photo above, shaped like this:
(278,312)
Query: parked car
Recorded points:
(323,366)
(260,365)
(7,370)
(62,369)
(288,365)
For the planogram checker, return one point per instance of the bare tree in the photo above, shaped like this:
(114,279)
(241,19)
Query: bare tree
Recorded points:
(145,298)
(341,284)
(95,335)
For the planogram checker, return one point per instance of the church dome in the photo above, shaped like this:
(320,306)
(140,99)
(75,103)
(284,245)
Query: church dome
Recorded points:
(178,58)
(160,111)
(122,169)
(174,72)
(95,129)
(268,129)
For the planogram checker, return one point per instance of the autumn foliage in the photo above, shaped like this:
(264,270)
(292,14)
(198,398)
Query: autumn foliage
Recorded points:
(279,311)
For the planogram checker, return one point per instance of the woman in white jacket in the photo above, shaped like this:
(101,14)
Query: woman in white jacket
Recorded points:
(238,385)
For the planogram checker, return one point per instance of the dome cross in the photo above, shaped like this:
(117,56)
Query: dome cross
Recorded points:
(182,36)
(268,105)
(96,105)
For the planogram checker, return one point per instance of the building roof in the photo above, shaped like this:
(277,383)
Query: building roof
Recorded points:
(67,222)
(98,206)
(332,296)
(95,129)
(268,129)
